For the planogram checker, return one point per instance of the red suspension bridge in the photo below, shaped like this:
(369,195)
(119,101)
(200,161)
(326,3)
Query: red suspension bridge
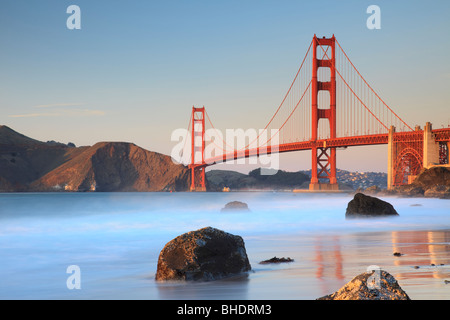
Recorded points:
(328,105)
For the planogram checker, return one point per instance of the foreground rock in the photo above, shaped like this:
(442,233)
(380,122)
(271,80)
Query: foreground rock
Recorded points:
(367,206)
(206,254)
(235,206)
(373,285)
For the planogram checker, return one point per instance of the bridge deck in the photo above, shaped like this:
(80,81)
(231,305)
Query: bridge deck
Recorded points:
(442,135)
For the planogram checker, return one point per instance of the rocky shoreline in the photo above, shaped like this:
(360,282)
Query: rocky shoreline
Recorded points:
(430,183)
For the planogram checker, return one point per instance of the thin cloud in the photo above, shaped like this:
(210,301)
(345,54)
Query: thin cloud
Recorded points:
(54,105)
(33,115)
(61,113)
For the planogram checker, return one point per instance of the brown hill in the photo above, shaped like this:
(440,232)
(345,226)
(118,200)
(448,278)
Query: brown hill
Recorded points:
(31,165)
(23,160)
(116,166)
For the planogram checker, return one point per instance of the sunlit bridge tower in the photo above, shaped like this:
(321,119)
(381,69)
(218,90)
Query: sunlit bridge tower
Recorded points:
(323,157)
(198,164)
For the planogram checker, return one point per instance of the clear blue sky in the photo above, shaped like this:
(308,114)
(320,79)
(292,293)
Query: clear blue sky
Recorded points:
(135,68)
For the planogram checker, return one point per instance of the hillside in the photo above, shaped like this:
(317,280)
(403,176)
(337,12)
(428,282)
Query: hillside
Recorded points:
(116,166)
(10,137)
(23,159)
(31,165)
(218,179)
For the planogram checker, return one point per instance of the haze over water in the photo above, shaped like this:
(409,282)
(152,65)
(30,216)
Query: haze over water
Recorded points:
(116,238)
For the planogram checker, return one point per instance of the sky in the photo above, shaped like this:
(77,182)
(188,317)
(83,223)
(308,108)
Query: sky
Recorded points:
(135,68)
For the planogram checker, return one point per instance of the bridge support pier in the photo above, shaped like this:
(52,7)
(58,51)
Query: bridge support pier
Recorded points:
(430,147)
(323,167)
(323,187)
(197,165)
(198,174)
(407,155)
(391,160)
(323,158)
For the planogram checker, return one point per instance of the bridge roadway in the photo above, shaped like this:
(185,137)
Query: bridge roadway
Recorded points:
(441,135)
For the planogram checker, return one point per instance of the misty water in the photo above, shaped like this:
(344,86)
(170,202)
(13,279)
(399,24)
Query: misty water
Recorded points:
(116,238)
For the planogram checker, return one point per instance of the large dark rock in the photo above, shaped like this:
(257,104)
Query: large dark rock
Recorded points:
(206,254)
(372,285)
(367,206)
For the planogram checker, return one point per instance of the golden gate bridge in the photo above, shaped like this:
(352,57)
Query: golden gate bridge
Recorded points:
(328,105)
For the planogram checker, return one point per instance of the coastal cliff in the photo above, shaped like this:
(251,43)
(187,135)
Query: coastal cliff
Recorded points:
(433,182)
(31,165)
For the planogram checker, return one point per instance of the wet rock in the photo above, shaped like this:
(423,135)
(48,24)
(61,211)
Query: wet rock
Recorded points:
(205,254)
(235,206)
(367,206)
(372,285)
(277,260)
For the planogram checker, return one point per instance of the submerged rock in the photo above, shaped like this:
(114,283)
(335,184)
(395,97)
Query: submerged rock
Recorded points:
(235,206)
(277,260)
(372,285)
(367,206)
(206,254)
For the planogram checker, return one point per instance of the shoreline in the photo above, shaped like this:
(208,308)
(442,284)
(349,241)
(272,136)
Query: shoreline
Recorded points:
(324,263)
(381,193)
(328,250)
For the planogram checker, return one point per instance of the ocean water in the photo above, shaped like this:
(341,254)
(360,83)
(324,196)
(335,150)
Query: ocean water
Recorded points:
(115,240)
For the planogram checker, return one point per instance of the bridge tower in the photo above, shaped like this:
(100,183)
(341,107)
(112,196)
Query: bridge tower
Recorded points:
(198,164)
(323,157)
